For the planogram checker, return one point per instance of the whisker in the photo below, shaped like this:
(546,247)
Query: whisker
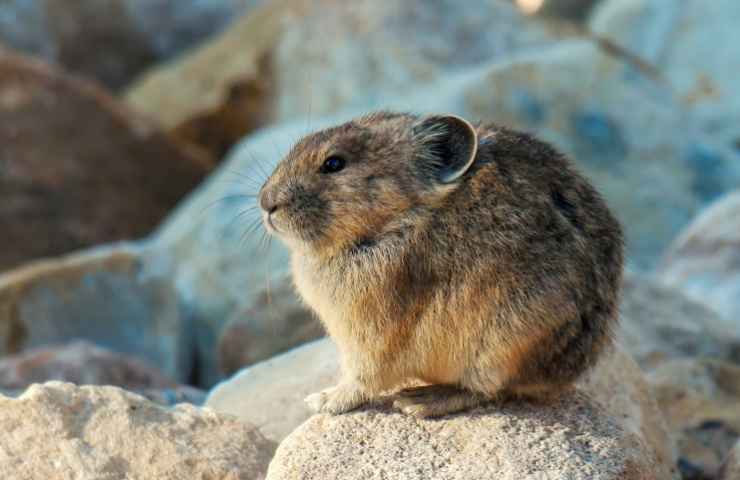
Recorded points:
(227,198)
(246,212)
(259,166)
(253,184)
(251,229)
(268,283)
(241,175)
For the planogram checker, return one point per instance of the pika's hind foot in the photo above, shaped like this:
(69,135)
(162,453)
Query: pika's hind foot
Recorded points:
(338,399)
(436,400)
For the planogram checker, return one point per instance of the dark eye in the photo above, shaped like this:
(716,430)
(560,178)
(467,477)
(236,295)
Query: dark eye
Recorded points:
(332,164)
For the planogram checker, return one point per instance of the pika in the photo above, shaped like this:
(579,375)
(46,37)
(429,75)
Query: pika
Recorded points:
(472,258)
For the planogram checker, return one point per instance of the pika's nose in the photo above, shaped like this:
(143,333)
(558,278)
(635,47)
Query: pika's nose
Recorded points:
(269,202)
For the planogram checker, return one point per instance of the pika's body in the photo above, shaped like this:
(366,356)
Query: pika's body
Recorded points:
(472,258)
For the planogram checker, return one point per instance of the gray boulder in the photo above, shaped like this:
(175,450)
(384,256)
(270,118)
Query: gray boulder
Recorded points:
(108,296)
(695,45)
(704,261)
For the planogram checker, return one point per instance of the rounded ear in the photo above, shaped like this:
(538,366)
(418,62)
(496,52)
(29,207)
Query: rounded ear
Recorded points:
(448,145)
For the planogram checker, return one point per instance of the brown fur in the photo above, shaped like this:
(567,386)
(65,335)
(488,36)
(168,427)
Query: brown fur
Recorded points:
(504,281)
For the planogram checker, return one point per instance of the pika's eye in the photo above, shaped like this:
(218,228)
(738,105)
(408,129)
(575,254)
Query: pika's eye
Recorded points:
(332,164)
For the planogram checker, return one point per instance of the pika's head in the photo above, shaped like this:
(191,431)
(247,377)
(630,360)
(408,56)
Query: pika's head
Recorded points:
(344,186)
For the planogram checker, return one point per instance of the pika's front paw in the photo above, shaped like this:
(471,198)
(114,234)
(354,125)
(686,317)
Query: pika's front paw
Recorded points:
(335,400)
(316,401)
(436,401)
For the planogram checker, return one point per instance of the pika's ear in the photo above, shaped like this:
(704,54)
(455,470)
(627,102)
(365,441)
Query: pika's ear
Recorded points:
(447,146)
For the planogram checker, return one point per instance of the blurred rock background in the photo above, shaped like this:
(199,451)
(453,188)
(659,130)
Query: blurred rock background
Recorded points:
(133,131)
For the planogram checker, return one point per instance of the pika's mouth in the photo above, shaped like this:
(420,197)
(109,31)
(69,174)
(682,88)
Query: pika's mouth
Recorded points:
(267,220)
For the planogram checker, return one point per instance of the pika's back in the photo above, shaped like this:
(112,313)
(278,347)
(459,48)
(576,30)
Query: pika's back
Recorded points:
(524,226)
(522,195)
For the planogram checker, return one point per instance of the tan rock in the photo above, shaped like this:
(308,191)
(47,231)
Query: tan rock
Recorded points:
(77,168)
(704,261)
(576,437)
(619,385)
(661,323)
(64,432)
(731,467)
(700,399)
(223,90)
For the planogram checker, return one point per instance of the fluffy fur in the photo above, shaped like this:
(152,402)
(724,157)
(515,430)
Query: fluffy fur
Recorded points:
(504,280)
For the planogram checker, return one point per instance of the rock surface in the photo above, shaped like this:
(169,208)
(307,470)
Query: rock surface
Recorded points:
(127,35)
(109,296)
(270,394)
(274,65)
(167,397)
(60,431)
(274,321)
(77,168)
(82,363)
(659,323)
(704,261)
(700,399)
(577,437)
(731,467)
(695,46)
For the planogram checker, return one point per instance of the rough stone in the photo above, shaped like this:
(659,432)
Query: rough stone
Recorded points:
(60,431)
(700,399)
(82,363)
(731,467)
(110,296)
(127,35)
(659,323)
(270,394)
(167,397)
(704,260)
(77,168)
(273,322)
(576,437)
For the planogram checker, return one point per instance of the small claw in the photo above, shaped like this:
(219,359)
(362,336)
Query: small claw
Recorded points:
(316,401)
(335,400)
(409,407)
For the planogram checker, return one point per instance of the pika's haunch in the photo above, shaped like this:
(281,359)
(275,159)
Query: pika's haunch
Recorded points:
(473,258)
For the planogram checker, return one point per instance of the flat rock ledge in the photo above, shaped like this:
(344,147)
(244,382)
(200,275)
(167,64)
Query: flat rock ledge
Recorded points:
(65,432)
